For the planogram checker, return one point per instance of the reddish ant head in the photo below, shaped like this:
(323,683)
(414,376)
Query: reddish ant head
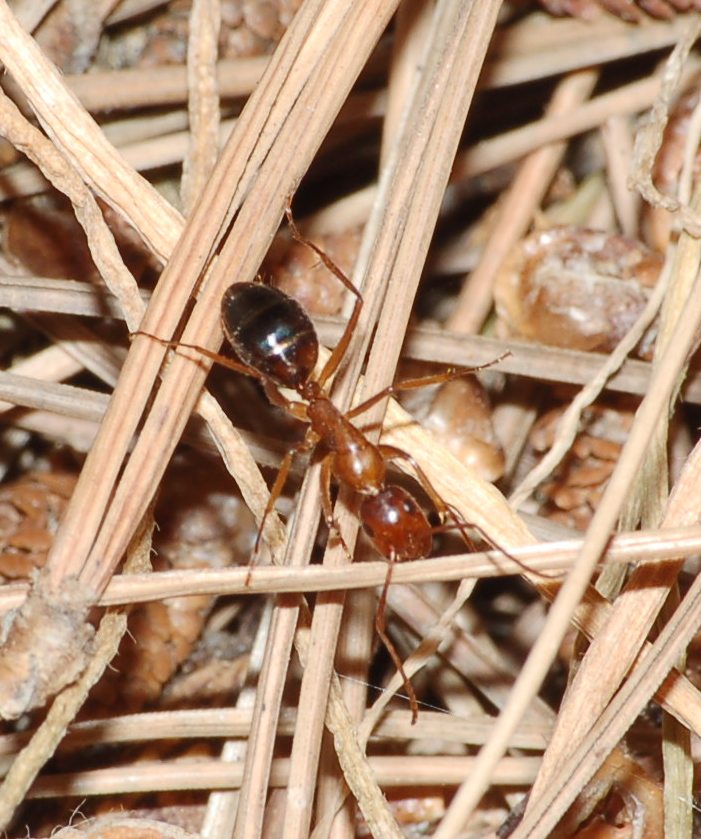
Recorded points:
(396,524)
(270,332)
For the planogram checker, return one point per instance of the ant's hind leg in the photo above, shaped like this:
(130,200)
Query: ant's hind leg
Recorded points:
(218,358)
(325,258)
(277,398)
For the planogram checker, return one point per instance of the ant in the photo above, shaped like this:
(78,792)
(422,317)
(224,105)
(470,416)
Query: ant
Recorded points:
(275,342)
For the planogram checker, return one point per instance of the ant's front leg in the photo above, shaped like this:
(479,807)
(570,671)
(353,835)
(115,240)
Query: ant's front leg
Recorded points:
(340,349)
(423,381)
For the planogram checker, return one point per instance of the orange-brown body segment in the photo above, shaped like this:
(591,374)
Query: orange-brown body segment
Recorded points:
(355,460)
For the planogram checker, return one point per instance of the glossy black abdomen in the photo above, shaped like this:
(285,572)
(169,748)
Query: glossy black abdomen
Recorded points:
(270,332)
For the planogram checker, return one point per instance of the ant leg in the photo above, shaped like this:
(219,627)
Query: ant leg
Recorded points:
(446,511)
(276,491)
(339,350)
(327,505)
(380,628)
(222,360)
(464,526)
(393,453)
(297,409)
(272,391)
(423,381)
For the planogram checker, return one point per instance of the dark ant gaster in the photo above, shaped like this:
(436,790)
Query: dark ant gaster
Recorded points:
(276,343)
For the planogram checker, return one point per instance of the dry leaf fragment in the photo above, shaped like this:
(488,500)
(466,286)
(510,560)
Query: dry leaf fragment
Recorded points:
(202,524)
(30,510)
(576,288)
(460,415)
(30,674)
(622,801)
(121,827)
(417,816)
(657,221)
(634,12)
(573,495)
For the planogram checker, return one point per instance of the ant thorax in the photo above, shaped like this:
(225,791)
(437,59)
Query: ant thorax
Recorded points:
(356,461)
